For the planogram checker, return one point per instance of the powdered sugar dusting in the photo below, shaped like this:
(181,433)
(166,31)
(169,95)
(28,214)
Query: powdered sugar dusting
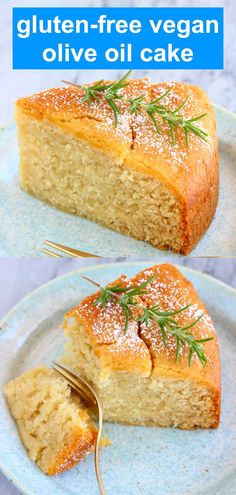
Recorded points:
(65,104)
(171,291)
(106,325)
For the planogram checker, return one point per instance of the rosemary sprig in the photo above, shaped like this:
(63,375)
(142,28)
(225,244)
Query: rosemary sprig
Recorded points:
(110,92)
(174,118)
(182,335)
(124,296)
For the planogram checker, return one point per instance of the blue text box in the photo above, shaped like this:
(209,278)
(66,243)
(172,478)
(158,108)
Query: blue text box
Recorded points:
(179,43)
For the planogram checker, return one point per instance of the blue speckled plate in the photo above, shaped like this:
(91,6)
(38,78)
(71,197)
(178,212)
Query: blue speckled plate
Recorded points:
(144,461)
(26,218)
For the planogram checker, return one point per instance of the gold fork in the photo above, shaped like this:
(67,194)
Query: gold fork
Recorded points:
(89,396)
(66,250)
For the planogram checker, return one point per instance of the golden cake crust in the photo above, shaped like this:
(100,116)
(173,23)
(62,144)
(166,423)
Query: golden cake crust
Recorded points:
(82,445)
(141,349)
(172,291)
(104,327)
(93,124)
(190,171)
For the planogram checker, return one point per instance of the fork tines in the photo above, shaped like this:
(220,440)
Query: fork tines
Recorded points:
(78,384)
(65,250)
(88,394)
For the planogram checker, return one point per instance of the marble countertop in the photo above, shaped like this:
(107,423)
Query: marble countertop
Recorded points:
(20,276)
(220,84)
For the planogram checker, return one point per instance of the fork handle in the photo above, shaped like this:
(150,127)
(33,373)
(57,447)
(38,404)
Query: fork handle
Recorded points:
(98,474)
(96,455)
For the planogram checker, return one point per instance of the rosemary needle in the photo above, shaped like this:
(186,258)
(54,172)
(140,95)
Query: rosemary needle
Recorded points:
(111,93)
(173,118)
(125,297)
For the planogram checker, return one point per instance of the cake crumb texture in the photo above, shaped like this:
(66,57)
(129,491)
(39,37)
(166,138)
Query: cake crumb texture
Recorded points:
(128,178)
(137,378)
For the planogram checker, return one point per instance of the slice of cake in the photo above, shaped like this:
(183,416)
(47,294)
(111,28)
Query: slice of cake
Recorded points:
(143,177)
(53,423)
(143,374)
